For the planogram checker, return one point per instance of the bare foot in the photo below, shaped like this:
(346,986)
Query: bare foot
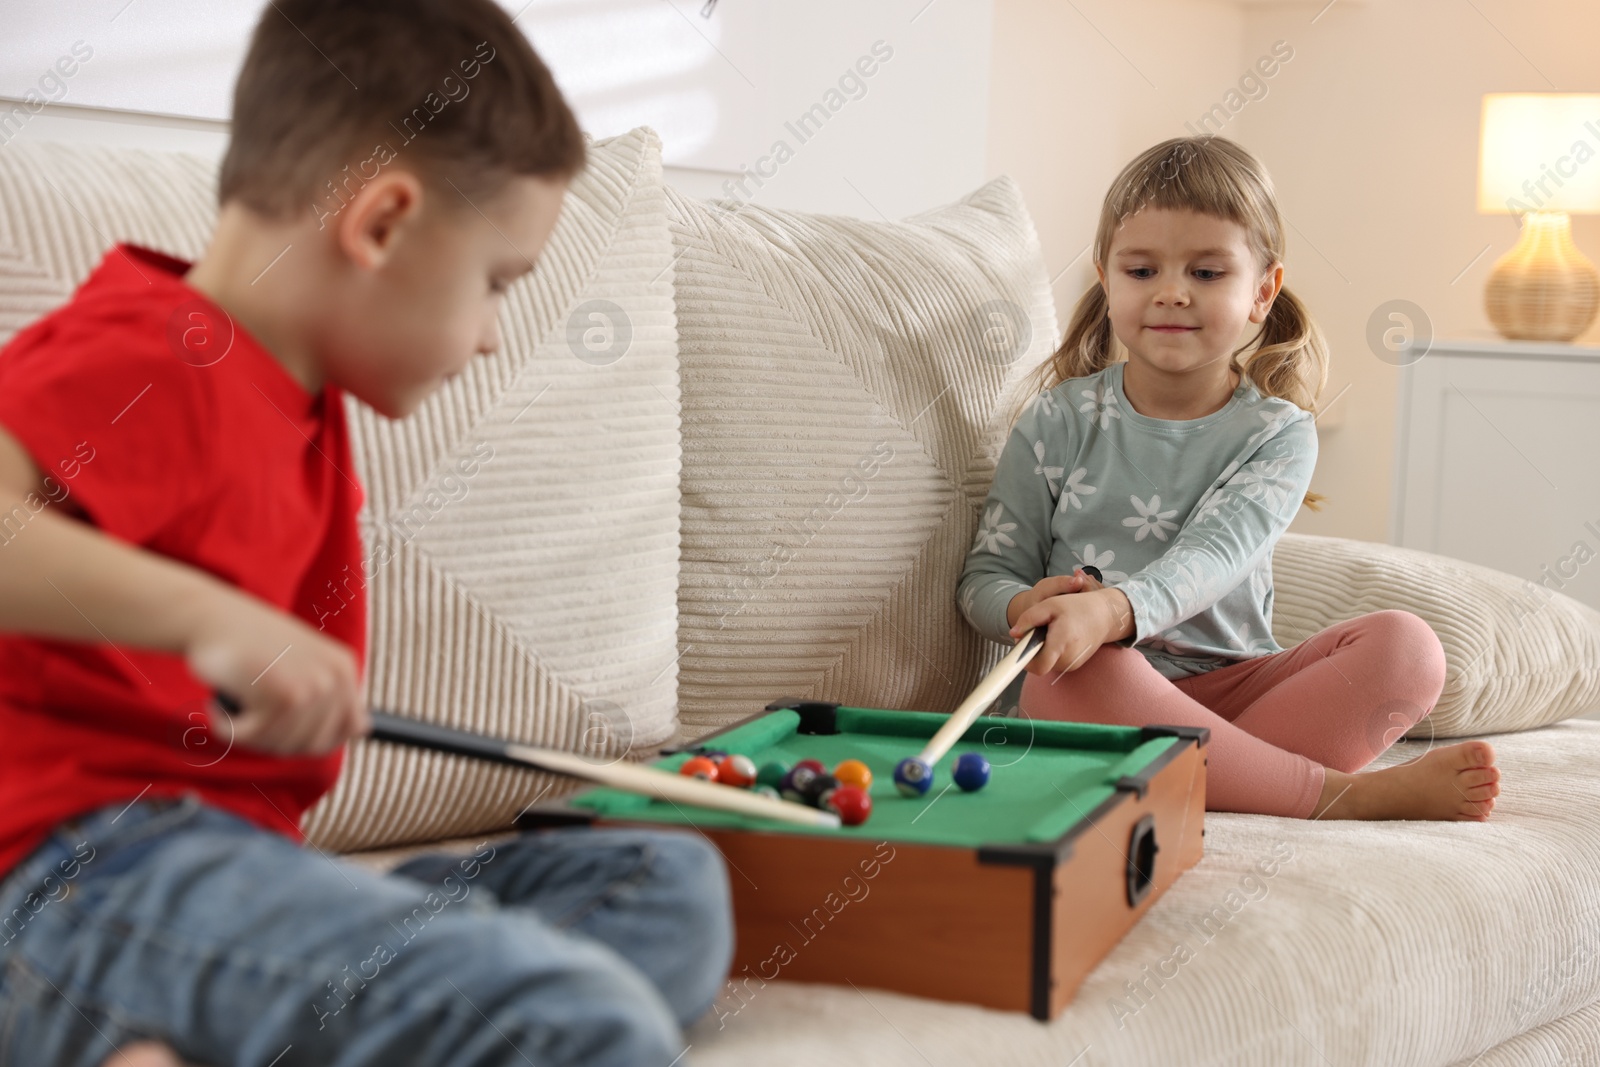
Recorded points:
(144,1054)
(1459,782)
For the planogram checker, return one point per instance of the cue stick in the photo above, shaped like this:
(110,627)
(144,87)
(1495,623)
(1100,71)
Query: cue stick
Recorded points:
(993,684)
(663,785)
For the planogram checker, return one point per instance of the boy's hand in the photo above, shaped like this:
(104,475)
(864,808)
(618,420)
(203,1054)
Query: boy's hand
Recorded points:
(298,689)
(1076,625)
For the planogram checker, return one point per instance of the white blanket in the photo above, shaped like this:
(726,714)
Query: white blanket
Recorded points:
(1382,943)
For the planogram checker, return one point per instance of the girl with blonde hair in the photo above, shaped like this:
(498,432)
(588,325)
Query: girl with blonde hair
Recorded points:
(1139,496)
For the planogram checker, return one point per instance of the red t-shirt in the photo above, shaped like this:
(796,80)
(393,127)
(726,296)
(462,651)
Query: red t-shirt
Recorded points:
(155,420)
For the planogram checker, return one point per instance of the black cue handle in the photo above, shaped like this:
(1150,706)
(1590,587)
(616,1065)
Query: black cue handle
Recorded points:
(390,727)
(1035,637)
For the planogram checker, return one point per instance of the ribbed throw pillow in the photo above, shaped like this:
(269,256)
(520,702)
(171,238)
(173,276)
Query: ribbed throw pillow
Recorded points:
(847,386)
(1517,655)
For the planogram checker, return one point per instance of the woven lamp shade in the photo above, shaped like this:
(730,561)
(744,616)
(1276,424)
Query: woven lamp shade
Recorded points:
(1537,159)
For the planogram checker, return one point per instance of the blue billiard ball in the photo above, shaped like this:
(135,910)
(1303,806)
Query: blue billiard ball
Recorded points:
(912,777)
(972,772)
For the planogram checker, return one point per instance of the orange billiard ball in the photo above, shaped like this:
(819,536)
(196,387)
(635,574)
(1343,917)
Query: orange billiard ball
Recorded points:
(737,771)
(854,772)
(699,767)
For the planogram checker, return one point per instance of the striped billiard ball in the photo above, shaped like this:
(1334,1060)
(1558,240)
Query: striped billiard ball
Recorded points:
(913,776)
(796,782)
(737,771)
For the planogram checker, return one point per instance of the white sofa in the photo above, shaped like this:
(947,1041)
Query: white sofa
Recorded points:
(729,454)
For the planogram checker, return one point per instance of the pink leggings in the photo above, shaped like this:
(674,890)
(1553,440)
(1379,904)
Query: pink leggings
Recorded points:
(1337,699)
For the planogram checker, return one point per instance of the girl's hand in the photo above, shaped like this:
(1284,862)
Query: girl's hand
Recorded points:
(1076,625)
(1054,585)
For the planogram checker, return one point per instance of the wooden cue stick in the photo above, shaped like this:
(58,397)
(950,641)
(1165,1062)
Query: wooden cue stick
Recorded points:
(633,779)
(983,695)
(664,785)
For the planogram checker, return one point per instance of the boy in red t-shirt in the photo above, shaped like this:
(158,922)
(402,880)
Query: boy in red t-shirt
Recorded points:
(176,489)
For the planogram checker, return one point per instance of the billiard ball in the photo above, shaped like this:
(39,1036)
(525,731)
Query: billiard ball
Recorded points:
(971,772)
(737,771)
(817,790)
(816,765)
(699,767)
(854,772)
(795,783)
(913,776)
(767,791)
(771,773)
(852,804)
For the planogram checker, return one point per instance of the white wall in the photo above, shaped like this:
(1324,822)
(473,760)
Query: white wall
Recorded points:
(66,122)
(1372,136)
(1080,89)
(896,90)
(1370,133)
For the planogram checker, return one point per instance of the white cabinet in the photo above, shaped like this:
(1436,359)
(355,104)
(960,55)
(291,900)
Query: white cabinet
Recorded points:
(1498,460)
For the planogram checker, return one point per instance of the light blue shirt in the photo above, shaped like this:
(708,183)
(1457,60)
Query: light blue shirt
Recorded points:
(1182,516)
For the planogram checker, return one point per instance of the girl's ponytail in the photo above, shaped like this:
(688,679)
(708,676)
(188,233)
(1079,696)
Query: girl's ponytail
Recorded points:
(1089,345)
(1290,360)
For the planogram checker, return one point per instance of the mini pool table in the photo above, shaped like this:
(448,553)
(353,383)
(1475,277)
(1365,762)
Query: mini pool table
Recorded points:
(1005,897)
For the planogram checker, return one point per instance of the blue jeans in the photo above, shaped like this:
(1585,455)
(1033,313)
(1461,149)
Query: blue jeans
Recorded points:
(173,920)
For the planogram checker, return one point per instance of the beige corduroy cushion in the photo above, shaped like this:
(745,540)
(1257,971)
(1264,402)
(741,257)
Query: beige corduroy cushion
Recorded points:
(532,593)
(1517,655)
(847,387)
(62,206)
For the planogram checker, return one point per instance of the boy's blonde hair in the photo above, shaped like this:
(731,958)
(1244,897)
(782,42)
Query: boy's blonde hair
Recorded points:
(1213,176)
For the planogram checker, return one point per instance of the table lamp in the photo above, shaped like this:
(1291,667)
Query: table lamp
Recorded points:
(1539,157)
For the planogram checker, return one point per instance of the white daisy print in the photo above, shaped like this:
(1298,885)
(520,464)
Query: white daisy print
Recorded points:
(1227,472)
(1185,580)
(1213,506)
(968,598)
(1151,519)
(1174,642)
(1074,486)
(1263,481)
(1256,646)
(993,532)
(1052,475)
(1100,405)
(1103,561)
(1221,506)
(1275,421)
(1045,404)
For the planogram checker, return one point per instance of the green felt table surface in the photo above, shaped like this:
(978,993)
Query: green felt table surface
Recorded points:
(1046,776)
